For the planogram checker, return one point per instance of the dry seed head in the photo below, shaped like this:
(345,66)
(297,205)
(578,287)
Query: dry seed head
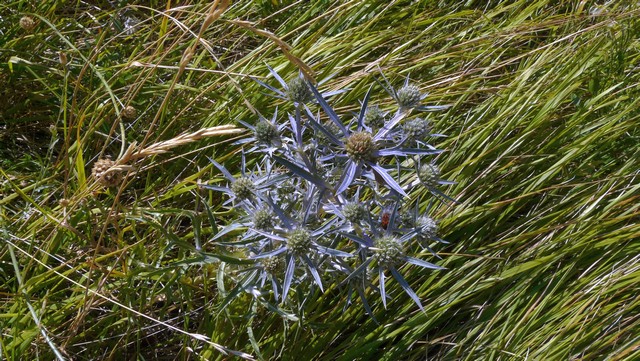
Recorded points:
(409,96)
(360,146)
(129,112)
(103,175)
(27,23)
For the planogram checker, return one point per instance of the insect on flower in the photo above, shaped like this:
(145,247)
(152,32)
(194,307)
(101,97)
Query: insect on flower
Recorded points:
(384,220)
(385,216)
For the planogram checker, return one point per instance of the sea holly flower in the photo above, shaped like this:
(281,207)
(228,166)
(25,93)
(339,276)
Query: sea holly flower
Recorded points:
(387,253)
(264,220)
(300,245)
(409,96)
(257,218)
(355,212)
(421,227)
(267,134)
(416,130)
(245,188)
(429,176)
(297,90)
(361,148)
(375,117)
(325,202)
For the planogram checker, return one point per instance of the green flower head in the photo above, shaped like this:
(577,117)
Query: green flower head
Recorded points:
(266,133)
(409,96)
(298,91)
(299,241)
(243,188)
(429,174)
(388,251)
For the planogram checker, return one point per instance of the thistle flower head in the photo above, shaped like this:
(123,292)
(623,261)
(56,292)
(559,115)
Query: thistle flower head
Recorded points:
(243,188)
(264,220)
(266,133)
(299,241)
(360,146)
(388,251)
(429,174)
(416,129)
(354,212)
(298,90)
(374,117)
(409,96)
(272,264)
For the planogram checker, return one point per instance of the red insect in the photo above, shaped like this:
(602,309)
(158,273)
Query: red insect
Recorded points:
(384,221)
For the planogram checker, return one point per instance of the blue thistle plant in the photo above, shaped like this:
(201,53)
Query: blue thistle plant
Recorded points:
(322,204)
(361,148)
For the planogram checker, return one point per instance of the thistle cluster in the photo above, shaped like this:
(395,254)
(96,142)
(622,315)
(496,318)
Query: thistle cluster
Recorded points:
(326,198)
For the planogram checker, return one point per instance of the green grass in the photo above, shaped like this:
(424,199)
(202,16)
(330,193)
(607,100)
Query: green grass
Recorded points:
(543,142)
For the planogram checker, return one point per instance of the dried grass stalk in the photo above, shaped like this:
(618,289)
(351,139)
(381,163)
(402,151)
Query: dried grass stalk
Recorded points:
(163,147)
